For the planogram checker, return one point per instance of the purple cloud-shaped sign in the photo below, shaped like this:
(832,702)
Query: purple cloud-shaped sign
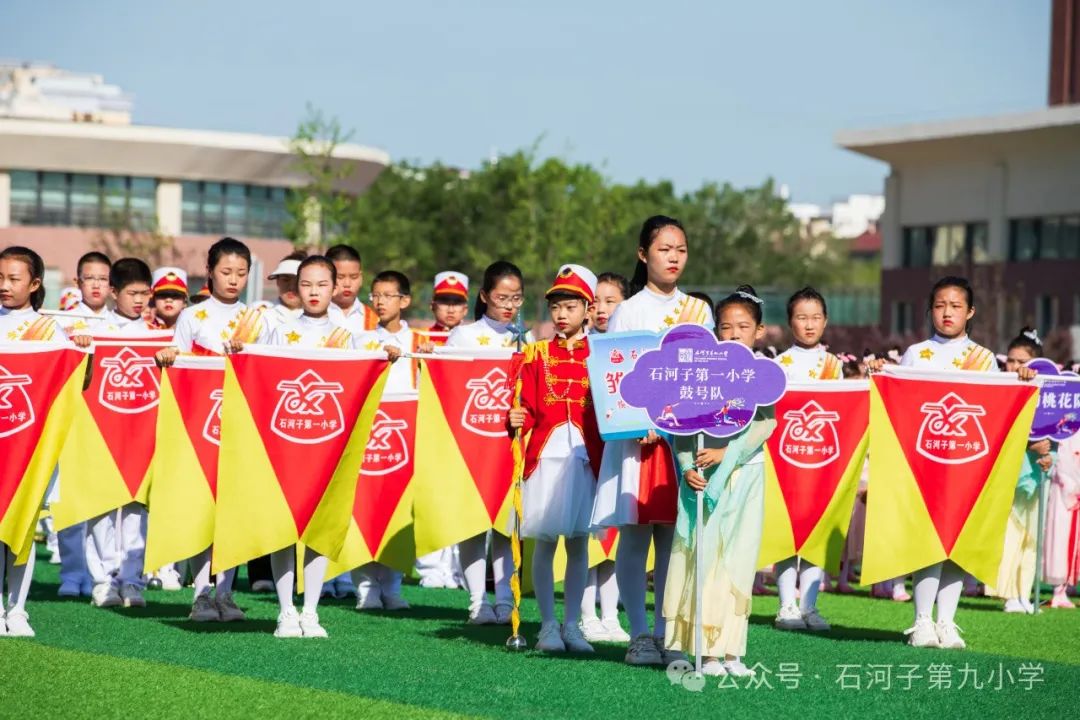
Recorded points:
(1058,415)
(694,383)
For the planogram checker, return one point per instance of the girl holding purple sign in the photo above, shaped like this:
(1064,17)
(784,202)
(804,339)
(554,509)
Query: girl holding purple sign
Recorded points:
(637,488)
(731,473)
(1016,575)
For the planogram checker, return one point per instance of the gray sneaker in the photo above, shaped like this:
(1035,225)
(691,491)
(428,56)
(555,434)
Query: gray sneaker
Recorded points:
(203,609)
(227,607)
(643,651)
(668,656)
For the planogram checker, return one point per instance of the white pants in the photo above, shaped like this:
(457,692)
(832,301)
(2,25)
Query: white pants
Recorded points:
(376,577)
(116,554)
(438,565)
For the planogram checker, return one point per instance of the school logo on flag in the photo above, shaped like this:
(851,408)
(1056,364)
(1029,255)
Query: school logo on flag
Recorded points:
(813,463)
(951,432)
(308,411)
(129,383)
(211,429)
(16,410)
(945,452)
(489,401)
(388,448)
(809,439)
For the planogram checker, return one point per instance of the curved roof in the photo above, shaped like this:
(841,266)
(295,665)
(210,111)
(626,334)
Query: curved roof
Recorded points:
(170,153)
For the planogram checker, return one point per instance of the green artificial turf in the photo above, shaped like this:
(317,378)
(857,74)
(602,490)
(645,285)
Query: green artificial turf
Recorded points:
(88,662)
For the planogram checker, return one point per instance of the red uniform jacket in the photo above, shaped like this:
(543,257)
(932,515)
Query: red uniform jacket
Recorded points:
(555,390)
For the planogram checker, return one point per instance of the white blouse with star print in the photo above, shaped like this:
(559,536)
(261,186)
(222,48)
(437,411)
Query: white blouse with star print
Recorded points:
(961,353)
(803,364)
(403,371)
(208,324)
(485,333)
(14,325)
(648,310)
(308,332)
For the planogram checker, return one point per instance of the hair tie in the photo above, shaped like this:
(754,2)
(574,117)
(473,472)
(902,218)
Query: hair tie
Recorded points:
(894,355)
(748,296)
(871,357)
(1033,336)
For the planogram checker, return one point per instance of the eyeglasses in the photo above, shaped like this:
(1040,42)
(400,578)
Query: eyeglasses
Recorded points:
(507,300)
(373,297)
(95,280)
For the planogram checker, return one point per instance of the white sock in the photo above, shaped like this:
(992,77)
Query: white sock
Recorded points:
(283,568)
(19,578)
(926,586)
(588,596)
(609,589)
(630,562)
(577,572)
(473,554)
(787,575)
(544,578)
(502,567)
(949,591)
(809,583)
(663,538)
(314,571)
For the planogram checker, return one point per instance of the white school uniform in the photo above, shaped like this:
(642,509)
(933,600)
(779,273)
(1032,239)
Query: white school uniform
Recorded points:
(617,488)
(938,353)
(807,364)
(359,319)
(402,372)
(205,327)
(104,321)
(486,333)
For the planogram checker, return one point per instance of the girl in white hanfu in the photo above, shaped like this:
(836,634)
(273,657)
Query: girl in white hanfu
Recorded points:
(637,488)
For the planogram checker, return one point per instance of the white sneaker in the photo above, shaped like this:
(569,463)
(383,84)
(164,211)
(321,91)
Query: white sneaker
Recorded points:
(1012,605)
(574,640)
(615,631)
(132,596)
(814,621)
(433,581)
(503,614)
(593,630)
(736,668)
(949,636)
(170,579)
(789,618)
(54,557)
(922,633)
(203,609)
(395,602)
(643,651)
(482,614)
(369,599)
(713,668)
(227,607)
(288,624)
(550,639)
(309,623)
(105,595)
(18,624)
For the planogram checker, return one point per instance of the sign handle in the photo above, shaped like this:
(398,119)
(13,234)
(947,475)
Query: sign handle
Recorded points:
(699,570)
(1039,542)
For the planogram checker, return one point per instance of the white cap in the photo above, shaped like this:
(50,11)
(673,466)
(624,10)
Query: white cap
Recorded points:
(169,279)
(285,267)
(452,283)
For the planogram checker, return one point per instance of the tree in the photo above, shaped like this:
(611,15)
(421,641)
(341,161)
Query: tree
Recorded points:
(126,233)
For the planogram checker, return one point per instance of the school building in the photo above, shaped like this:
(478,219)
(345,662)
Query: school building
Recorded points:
(996,199)
(77,175)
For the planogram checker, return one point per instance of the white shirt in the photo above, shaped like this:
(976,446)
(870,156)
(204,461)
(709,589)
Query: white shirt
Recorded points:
(485,333)
(960,353)
(106,321)
(208,325)
(648,310)
(402,378)
(308,332)
(14,325)
(357,320)
(816,363)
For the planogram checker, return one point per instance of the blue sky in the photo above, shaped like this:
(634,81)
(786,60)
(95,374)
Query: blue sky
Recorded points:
(687,91)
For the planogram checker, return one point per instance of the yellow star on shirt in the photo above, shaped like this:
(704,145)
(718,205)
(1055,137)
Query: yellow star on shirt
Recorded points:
(926,354)
(232,324)
(786,360)
(13,335)
(957,363)
(293,337)
(483,339)
(669,321)
(372,345)
(201,314)
(813,374)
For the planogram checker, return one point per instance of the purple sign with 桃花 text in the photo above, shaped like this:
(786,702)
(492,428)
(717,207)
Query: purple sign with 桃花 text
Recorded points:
(1058,415)
(694,383)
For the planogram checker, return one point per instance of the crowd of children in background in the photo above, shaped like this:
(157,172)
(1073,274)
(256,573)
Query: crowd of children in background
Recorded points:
(577,488)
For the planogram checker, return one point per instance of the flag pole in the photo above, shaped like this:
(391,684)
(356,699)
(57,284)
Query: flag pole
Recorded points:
(516,642)
(699,570)
(1039,542)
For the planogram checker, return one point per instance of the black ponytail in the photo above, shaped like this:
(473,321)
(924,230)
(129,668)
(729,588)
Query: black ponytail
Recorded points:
(495,272)
(36,266)
(649,230)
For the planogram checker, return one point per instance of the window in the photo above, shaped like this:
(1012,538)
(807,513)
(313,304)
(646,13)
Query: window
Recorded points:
(1054,237)
(80,200)
(902,320)
(247,210)
(916,247)
(1046,314)
(979,241)
(946,245)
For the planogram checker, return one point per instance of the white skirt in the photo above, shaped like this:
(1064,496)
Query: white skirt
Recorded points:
(557,499)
